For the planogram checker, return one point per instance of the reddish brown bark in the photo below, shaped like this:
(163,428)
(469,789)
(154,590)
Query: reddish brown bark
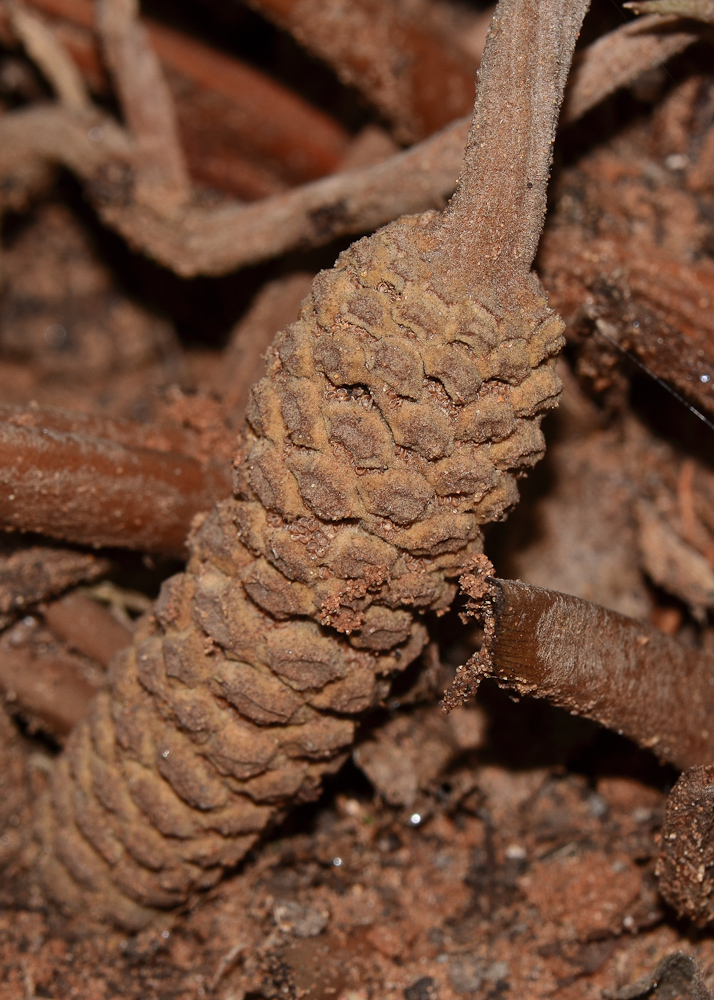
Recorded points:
(241,131)
(596,663)
(98,492)
(87,627)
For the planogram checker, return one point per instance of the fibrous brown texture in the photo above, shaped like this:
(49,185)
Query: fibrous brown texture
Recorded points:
(597,663)
(627,260)
(395,417)
(392,54)
(654,306)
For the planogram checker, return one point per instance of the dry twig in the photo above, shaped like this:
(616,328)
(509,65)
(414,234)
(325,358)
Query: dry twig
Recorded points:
(653,305)
(160,180)
(415,78)
(30,574)
(44,682)
(87,627)
(617,59)
(222,239)
(241,131)
(701,10)
(50,56)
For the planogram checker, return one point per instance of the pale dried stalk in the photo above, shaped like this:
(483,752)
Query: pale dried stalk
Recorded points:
(700,10)
(161,176)
(219,240)
(618,59)
(50,56)
(496,217)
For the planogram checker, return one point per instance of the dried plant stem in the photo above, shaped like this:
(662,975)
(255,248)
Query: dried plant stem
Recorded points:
(97,492)
(54,62)
(701,10)
(684,867)
(617,59)
(596,663)
(167,437)
(499,206)
(661,311)
(87,627)
(161,176)
(30,574)
(219,240)
(45,683)
(267,133)
(296,141)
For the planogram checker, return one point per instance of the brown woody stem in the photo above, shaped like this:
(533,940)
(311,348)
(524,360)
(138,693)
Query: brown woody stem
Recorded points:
(598,664)
(495,219)
(99,492)
(45,682)
(87,626)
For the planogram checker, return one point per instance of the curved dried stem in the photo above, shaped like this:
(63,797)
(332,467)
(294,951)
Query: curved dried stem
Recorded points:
(616,59)
(162,179)
(50,56)
(215,241)
(495,219)
(700,10)
(396,57)
(97,491)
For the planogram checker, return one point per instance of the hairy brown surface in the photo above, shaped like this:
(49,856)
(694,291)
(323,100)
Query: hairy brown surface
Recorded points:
(594,662)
